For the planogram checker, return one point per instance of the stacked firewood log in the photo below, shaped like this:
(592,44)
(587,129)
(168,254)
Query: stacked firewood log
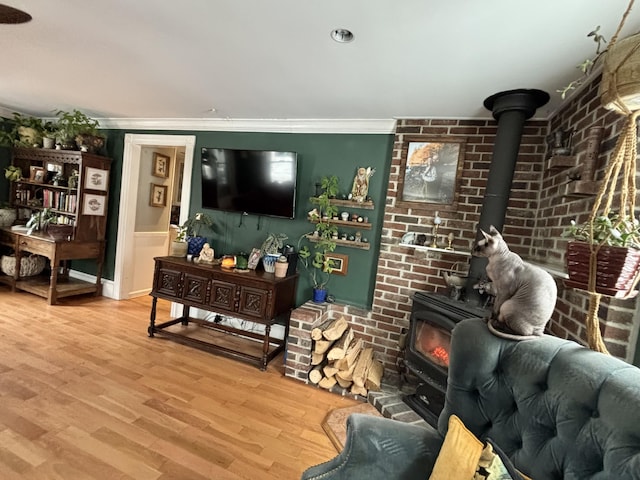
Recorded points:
(338,357)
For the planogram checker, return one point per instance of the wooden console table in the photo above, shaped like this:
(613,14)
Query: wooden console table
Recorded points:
(58,284)
(256,296)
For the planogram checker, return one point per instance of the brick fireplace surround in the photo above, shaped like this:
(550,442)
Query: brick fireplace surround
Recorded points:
(538,212)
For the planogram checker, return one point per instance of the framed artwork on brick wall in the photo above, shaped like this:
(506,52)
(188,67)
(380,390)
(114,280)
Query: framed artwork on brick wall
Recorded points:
(430,170)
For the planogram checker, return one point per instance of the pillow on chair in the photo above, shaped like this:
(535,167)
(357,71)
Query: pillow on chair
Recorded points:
(464,457)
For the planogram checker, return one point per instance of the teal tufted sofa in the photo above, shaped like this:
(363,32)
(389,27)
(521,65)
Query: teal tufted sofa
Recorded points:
(557,409)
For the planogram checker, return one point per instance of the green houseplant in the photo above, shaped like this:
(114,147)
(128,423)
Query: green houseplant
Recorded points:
(49,222)
(614,243)
(271,249)
(76,130)
(316,262)
(21,131)
(192,227)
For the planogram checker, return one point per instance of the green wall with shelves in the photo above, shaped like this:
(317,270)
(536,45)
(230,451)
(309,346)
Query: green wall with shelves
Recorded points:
(318,155)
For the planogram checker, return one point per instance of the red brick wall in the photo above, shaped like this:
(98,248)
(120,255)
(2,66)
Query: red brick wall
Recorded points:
(537,214)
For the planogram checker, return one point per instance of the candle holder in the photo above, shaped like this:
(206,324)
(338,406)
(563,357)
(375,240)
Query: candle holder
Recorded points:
(450,240)
(436,224)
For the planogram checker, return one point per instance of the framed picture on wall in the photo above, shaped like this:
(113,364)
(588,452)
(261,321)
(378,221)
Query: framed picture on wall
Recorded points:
(430,170)
(160,165)
(94,204)
(96,179)
(36,174)
(158,195)
(339,263)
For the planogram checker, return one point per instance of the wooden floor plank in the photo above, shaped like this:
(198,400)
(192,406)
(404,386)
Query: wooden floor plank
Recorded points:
(86,394)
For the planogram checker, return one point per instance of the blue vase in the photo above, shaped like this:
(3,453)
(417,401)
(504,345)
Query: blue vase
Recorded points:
(195,244)
(319,295)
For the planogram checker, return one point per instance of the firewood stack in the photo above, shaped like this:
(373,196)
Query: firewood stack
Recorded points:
(339,358)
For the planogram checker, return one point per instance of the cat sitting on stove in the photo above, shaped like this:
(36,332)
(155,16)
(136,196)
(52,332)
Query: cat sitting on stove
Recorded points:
(525,295)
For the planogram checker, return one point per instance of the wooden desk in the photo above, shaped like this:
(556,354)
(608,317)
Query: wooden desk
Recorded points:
(256,296)
(58,284)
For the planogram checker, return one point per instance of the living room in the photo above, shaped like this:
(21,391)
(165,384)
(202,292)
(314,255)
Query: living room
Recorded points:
(375,294)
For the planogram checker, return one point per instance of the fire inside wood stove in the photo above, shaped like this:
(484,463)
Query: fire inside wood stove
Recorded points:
(434,343)
(426,355)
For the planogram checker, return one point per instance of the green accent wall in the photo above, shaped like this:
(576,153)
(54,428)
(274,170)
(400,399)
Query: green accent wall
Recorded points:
(318,155)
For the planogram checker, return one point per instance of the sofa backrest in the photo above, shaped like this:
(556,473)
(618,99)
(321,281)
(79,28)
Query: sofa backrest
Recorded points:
(558,409)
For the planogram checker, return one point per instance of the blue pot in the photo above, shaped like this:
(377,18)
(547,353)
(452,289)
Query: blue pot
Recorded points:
(319,295)
(195,244)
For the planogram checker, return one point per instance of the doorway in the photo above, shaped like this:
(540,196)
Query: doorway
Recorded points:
(144,220)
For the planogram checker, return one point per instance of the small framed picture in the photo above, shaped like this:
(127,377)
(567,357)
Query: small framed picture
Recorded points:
(339,263)
(37,174)
(160,165)
(96,179)
(254,258)
(158,195)
(94,204)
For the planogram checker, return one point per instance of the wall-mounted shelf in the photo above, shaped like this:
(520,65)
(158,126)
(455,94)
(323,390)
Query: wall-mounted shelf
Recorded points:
(348,203)
(346,223)
(436,249)
(343,243)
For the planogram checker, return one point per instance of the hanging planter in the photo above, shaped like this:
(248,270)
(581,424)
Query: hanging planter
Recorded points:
(620,84)
(617,269)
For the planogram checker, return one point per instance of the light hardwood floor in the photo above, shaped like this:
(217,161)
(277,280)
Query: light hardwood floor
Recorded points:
(86,394)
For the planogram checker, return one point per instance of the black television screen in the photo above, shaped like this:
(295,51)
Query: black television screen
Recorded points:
(257,182)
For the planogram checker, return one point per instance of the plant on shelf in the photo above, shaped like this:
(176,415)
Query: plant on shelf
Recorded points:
(316,262)
(13,173)
(76,129)
(49,222)
(193,226)
(21,131)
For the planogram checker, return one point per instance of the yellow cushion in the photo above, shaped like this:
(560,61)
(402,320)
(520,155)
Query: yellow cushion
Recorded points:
(459,454)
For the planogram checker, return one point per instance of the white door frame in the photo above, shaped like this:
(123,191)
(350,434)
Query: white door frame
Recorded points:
(133,144)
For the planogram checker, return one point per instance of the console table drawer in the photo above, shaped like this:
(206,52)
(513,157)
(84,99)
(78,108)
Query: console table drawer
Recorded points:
(37,246)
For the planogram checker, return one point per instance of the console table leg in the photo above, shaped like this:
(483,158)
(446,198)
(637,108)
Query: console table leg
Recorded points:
(265,347)
(152,319)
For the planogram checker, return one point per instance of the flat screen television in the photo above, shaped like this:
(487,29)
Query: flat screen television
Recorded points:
(258,182)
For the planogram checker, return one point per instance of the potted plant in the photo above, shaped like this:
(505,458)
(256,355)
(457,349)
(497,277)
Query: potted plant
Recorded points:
(76,130)
(13,173)
(317,264)
(614,241)
(193,225)
(179,245)
(271,250)
(23,131)
(47,221)
(49,130)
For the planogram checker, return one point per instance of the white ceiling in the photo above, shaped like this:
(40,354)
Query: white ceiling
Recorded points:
(258,59)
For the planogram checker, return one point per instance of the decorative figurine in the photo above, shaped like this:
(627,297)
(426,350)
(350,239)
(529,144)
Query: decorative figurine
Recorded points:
(560,142)
(360,187)
(206,254)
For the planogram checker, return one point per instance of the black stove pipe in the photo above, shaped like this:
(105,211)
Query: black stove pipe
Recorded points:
(511,109)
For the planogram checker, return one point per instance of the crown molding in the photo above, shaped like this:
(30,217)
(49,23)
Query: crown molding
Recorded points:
(353,126)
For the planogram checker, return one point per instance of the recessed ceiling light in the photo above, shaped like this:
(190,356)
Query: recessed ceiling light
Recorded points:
(342,35)
(10,15)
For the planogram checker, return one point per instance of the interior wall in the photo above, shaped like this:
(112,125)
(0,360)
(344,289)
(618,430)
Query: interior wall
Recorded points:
(150,218)
(318,155)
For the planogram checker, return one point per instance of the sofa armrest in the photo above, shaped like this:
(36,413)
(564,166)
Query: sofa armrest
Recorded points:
(381,448)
